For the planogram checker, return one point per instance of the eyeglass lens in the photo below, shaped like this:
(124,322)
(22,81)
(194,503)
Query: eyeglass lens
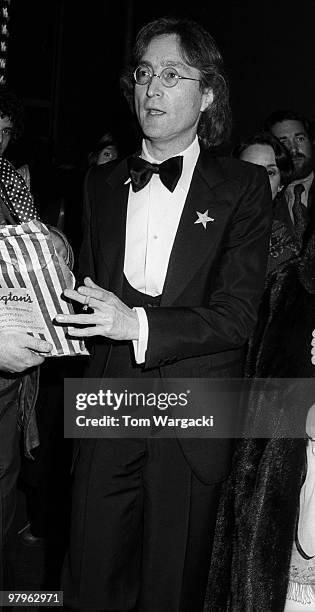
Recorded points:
(168,76)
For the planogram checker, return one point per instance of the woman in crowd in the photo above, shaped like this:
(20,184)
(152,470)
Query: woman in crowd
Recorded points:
(266,150)
(264,554)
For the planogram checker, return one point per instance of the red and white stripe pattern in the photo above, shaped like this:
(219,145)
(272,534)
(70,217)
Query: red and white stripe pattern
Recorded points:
(28,260)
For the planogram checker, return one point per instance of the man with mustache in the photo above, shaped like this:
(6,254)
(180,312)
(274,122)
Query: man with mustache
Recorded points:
(294,131)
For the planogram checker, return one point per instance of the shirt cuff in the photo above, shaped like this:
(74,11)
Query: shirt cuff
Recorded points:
(140,345)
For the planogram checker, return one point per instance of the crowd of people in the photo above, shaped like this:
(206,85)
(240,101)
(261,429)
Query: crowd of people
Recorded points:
(192,266)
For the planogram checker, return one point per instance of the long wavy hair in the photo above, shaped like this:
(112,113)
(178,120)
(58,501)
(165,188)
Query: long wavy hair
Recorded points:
(200,51)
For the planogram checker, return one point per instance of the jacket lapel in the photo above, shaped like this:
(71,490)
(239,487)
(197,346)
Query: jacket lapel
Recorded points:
(113,201)
(193,242)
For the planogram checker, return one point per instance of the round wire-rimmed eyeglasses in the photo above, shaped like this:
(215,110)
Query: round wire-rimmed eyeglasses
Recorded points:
(169,76)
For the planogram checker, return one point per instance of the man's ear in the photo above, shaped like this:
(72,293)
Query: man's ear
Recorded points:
(207,99)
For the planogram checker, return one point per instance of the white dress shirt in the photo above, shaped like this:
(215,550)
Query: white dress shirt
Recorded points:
(153,215)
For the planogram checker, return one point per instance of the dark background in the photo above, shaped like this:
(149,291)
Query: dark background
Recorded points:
(65,58)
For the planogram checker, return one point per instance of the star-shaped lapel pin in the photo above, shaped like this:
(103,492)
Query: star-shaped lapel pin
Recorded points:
(203,218)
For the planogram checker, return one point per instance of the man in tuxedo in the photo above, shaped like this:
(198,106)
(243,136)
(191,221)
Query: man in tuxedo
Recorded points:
(295,132)
(174,258)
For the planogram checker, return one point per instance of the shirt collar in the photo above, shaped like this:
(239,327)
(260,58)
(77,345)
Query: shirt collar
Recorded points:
(305,182)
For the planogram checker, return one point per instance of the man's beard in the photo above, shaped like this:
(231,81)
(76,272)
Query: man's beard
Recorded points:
(302,166)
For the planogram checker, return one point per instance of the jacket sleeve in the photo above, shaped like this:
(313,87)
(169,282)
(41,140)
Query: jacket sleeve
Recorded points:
(227,315)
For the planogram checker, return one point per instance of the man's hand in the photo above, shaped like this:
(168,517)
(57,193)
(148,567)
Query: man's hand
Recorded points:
(110,318)
(20,351)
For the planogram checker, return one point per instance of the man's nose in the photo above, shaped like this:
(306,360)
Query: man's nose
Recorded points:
(294,146)
(154,87)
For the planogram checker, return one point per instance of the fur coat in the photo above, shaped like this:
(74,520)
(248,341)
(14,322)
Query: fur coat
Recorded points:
(260,503)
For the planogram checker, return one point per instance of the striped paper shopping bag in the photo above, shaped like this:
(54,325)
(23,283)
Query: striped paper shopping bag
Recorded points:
(32,280)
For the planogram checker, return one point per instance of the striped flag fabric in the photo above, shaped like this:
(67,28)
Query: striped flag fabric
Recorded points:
(32,281)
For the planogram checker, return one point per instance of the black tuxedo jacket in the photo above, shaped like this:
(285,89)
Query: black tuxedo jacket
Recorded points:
(213,284)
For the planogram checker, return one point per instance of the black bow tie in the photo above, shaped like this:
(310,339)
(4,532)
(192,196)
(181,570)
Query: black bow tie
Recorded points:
(141,171)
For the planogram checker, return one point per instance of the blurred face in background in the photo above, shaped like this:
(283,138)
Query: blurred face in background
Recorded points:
(107,154)
(295,138)
(264,155)
(6,128)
